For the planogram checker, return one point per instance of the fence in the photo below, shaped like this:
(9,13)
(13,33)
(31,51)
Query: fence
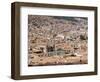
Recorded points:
(56,53)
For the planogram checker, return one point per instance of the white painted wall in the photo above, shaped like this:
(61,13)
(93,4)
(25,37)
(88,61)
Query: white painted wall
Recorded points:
(5,42)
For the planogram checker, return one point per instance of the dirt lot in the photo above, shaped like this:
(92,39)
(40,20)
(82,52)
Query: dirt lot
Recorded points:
(58,60)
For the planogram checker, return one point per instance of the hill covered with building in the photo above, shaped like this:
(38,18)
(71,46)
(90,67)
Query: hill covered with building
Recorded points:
(54,40)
